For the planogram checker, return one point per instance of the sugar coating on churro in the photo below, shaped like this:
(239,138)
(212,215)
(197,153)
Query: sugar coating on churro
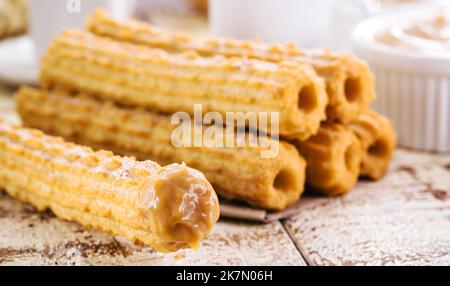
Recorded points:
(349,82)
(100,190)
(237,173)
(378,139)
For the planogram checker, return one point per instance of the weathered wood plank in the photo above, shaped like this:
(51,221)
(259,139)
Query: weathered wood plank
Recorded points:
(31,238)
(402,220)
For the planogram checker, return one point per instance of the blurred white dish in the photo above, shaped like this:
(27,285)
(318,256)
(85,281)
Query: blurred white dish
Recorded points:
(348,13)
(49,17)
(19,65)
(304,22)
(412,67)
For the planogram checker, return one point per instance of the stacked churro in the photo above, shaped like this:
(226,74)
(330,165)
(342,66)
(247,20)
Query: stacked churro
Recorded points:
(141,76)
(378,139)
(271,183)
(117,85)
(349,88)
(169,208)
(334,157)
(349,83)
(338,154)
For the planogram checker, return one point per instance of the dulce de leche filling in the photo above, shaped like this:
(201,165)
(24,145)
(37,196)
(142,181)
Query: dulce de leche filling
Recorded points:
(180,204)
(422,35)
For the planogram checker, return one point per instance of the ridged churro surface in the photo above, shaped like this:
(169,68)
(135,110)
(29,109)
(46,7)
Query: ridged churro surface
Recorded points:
(237,173)
(141,76)
(333,159)
(168,208)
(378,138)
(349,83)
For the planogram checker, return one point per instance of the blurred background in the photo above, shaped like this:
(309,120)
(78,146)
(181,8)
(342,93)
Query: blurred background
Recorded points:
(321,23)
(413,85)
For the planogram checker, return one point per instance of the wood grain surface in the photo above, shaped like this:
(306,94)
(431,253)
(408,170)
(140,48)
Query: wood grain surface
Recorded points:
(403,219)
(31,238)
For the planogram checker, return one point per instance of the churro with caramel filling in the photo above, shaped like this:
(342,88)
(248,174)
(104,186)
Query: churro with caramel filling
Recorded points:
(168,208)
(240,173)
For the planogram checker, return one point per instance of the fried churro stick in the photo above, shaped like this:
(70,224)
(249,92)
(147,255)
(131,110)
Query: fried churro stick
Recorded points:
(140,76)
(168,208)
(349,83)
(13,18)
(378,138)
(333,159)
(240,173)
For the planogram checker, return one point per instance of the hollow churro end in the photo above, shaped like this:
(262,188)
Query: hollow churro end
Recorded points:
(379,149)
(352,89)
(181,205)
(378,157)
(352,157)
(307,99)
(284,180)
(378,140)
(333,158)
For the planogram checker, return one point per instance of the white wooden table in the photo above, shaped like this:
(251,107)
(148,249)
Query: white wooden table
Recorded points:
(403,219)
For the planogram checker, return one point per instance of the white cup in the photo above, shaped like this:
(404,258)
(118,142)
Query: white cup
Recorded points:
(49,17)
(304,22)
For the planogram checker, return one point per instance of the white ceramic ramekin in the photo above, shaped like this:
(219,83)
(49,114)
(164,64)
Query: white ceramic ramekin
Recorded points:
(413,88)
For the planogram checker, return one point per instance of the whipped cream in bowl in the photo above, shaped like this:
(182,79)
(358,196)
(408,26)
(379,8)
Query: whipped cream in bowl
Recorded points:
(427,35)
(410,55)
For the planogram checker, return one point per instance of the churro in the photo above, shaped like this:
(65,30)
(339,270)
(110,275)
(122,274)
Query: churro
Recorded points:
(141,76)
(378,138)
(168,208)
(333,159)
(236,173)
(13,18)
(349,83)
